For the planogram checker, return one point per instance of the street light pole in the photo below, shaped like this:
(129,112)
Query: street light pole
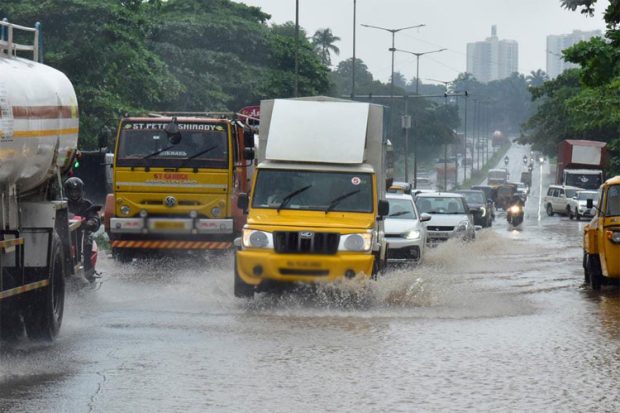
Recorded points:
(417,92)
(393,48)
(353,64)
(296,89)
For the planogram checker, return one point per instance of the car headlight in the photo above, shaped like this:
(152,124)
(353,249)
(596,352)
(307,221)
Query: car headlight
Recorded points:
(462,226)
(614,236)
(515,209)
(483,212)
(413,234)
(356,242)
(257,239)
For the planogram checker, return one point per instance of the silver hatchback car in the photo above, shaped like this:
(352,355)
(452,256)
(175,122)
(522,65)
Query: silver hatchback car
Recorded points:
(405,231)
(451,217)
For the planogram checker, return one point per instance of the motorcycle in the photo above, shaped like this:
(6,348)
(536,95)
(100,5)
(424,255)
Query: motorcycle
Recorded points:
(515,215)
(80,227)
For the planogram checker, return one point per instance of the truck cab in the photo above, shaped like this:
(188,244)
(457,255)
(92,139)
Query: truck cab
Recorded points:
(318,195)
(601,237)
(176,178)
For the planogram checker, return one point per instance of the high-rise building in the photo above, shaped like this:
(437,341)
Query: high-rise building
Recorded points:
(556,43)
(492,59)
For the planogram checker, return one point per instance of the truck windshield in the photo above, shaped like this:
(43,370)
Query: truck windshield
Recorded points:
(613,201)
(146,144)
(585,181)
(322,191)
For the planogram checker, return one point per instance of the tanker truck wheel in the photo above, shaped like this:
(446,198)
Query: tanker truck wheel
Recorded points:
(43,317)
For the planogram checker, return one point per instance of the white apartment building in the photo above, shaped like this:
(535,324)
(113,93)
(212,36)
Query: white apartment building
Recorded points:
(557,43)
(492,59)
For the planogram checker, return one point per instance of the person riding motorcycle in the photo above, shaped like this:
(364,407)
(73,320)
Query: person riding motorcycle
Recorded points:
(517,207)
(506,159)
(78,205)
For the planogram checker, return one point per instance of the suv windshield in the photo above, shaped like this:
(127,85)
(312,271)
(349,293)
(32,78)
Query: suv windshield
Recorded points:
(440,205)
(311,190)
(583,196)
(570,192)
(202,145)
(401,209)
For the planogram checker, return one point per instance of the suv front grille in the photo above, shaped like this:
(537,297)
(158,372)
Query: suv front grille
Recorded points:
(306,242)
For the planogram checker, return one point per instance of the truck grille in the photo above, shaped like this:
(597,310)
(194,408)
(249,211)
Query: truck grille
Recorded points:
(305,242)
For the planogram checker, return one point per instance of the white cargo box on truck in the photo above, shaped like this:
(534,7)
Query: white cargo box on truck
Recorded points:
(325,130)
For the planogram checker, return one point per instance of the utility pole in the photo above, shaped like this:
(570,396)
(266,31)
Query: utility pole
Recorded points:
(296,88)
(353,64)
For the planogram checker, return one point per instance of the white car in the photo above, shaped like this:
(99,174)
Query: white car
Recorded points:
(451,217)
(558,198)
(578,204)
(404,230)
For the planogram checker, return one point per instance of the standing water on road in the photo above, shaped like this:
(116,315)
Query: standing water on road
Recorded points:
(501,323)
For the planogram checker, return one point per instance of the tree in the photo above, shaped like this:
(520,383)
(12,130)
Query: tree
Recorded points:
(323,41)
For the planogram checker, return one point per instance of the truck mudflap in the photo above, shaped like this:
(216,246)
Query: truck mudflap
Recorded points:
(171,244)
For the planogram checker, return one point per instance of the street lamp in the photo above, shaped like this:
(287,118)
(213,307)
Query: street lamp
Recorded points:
(417,86)
(393,48)
(417,71)
(353,63)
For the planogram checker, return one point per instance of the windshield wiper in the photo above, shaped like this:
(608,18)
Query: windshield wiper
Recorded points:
(158,152)
(336,201)
(197,154)
(291,195)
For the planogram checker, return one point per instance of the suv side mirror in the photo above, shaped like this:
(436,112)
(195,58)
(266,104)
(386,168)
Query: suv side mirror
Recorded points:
(384,208)
(243,202)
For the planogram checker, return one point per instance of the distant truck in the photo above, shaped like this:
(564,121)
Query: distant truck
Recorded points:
(497,176)
(318,195)
(498,139)
(176,178)
(581,163)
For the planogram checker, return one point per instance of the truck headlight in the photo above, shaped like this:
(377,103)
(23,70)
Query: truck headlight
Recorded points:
(356,242)
(462,226)
(257,239)
(125,210)
(411,235)
(216,211)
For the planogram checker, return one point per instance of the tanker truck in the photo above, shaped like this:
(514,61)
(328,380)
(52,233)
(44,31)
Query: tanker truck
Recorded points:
(38,139)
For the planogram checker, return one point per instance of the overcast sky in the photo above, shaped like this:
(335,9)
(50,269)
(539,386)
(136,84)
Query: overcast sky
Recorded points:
(450,24)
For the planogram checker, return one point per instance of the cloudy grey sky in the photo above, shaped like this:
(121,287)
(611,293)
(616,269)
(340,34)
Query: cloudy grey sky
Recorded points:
(450,24)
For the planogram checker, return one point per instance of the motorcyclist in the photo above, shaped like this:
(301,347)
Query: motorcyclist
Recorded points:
(506,159)
(518,202)
(78,205)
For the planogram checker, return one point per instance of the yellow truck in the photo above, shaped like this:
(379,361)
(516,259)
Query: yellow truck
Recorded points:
(176,178)
(318,195)
(601,238)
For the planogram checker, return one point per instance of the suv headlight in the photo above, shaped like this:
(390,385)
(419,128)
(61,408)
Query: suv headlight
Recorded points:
(257,239)
(411,235)
(356,242)
(462,226)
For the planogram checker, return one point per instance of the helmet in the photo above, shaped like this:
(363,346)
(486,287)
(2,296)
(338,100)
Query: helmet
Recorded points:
(74,188)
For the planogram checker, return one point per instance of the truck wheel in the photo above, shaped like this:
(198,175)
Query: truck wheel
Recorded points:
(43,317)
(594,270)
(241,288)
(549,210)
(10,324)
(122,255)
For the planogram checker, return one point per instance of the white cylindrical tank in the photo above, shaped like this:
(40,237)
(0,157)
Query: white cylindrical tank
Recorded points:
(38,122)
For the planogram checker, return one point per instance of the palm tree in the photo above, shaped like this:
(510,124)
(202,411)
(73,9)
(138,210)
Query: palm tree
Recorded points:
(537,78)
(323,42)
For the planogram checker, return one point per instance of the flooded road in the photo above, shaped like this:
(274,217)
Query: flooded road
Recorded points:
(500,324)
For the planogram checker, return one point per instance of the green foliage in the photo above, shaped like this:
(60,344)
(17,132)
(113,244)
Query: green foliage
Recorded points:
(323,41)
(178,55)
